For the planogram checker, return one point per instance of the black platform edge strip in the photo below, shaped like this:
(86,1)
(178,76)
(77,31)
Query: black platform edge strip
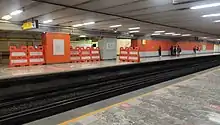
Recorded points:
(59,92)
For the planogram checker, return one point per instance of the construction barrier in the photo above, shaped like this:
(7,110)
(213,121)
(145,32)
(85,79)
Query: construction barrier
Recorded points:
(124,54)
(134,55)
(85,54)
(88,54)
(129,54)
(75,54)
(35,55)
(95,54)
(18,56)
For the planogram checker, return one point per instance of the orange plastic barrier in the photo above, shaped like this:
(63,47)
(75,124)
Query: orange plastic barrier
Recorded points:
(124,54)
(129,54)
(81,54)
(75,54)
(134,55)
(36,55)
(95,54)
(85,54)
(18,56)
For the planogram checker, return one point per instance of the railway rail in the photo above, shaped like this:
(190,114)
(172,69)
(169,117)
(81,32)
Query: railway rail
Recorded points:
(26,99)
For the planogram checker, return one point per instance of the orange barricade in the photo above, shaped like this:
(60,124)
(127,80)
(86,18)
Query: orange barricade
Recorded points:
(35,55)
(124,54)
(18,56)
(85,54)
(133,55)
(75,54)
(95,54)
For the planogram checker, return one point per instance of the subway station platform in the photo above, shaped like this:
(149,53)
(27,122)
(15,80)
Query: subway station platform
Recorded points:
(47,69)
(188,100)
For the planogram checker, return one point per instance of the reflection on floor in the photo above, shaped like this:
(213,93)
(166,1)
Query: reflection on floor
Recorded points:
(45,69)
(191,102)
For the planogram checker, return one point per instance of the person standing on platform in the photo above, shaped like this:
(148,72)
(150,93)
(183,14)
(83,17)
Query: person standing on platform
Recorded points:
(174,50)
(159,51)
(194,49)
(171,50)
(179,50)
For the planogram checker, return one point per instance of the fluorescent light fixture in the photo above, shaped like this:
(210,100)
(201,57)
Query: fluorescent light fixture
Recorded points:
(211,15)
(218,39)
(186,35)
(206,6)
(134,28)
(155,34)
(159,31)
(171,33)
(89,23)
(77,25)
(47,21)
(114,26)
(82,36)
(176,34)
(204,37)
(135,31)
(84,24)
(4,21)
(16,12)
(6,17)
(217,21)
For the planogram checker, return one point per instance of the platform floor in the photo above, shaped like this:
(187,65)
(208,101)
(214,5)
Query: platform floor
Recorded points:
(46,69)
(189,100)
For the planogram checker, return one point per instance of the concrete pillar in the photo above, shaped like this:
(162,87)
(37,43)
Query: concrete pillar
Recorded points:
(108,48)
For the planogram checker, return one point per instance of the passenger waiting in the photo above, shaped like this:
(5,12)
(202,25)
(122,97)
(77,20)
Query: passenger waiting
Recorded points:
(174,51)
(159,51)
(171,50)
(194,49)
(179,50)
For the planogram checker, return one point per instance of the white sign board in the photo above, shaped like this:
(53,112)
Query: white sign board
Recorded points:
(58,47)
(110,46)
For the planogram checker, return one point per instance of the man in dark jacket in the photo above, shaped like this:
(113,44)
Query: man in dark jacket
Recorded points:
(159,51)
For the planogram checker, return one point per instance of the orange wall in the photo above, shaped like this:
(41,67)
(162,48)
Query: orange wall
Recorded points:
(188,45)
(152,45)
(48,48)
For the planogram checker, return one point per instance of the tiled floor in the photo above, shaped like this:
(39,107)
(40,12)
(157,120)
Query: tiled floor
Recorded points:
(189,100)
(45,69)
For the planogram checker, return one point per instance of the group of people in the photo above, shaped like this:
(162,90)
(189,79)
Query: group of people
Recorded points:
(195,49)
(174,51)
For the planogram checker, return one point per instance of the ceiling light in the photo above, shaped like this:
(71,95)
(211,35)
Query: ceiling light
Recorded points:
(159,31)
(89,23)
(47,21)
(134,28)
(82,36)
(135,31)
(16,12)
(77,25)
(186,35)
(176,34)
(170,33)
(211,15)
(6,17)
(217,21)
(206,6)
(155,34)
(4,21)
(114,26)
(217,39)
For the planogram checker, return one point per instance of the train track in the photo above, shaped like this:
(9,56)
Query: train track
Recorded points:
(26,106)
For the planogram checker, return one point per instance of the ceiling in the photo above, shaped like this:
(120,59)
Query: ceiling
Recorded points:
(149,15)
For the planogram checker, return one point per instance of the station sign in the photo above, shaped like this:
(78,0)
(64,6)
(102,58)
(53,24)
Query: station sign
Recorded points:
(30,25)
